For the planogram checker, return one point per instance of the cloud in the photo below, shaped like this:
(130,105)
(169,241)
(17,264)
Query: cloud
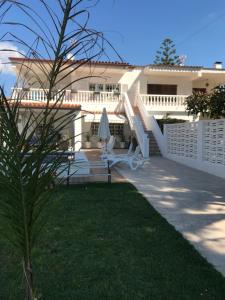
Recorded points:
(212,15)
(7,49)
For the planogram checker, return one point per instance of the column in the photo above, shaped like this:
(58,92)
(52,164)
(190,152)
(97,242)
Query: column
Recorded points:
(77,129)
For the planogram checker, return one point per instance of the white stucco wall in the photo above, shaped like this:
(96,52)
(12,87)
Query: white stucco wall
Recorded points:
(184,84)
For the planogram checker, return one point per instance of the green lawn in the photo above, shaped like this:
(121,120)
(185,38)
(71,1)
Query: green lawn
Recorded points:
(106,242)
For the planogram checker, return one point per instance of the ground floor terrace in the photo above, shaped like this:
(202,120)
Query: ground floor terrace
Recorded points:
(82,132)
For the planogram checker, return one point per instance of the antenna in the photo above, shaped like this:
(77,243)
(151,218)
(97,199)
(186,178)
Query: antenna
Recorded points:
(182,59)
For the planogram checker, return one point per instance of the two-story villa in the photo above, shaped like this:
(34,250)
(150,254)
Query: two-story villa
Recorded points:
(134,96)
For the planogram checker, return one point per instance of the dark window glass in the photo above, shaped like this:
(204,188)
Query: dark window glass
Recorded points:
(199,90)
(161,89)
(115,129)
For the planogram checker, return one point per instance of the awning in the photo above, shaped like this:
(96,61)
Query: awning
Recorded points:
(112,118)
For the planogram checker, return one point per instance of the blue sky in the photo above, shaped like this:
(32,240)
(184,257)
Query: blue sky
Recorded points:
(196,26)
(137,28)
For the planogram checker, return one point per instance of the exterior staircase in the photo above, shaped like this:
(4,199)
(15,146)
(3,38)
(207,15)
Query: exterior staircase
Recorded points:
(153,146)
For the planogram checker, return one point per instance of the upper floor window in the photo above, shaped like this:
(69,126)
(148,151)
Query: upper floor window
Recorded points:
(96,87)
(162,89)
(199,90)
(108,87)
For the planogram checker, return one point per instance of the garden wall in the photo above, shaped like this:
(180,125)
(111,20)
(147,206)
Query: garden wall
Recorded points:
(200,145)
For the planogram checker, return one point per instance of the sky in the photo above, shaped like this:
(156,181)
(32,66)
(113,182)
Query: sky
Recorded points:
(137,28)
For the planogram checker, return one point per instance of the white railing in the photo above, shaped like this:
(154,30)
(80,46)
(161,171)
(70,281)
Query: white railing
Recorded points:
(200,145)
(93,101)
(136,125)
(129,111)
(151,124)
(164,102)
(89,96)
(35,94)
(142,137)
(143,111)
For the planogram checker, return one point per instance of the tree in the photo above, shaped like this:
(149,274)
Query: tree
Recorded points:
(217,103)
(167,54)
(211,105)
(198,103)
(27,174)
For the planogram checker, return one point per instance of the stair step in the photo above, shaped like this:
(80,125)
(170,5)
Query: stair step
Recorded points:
(153,145)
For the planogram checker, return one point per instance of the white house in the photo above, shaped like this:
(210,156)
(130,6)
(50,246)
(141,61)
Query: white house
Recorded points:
(134,96)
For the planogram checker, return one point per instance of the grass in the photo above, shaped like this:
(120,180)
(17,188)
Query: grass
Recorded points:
(106,242)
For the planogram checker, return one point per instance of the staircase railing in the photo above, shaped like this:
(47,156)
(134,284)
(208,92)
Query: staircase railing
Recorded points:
(143,111)
(129,111)
(136,125)
(142,137)
(151,124)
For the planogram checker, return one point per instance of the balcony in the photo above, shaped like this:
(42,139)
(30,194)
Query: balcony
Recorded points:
(164,102)
(92,101)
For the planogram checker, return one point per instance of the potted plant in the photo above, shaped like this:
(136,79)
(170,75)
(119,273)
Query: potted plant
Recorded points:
(99,144)
(87,143)
(122,142)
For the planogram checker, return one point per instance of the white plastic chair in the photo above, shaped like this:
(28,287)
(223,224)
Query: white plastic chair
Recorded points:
(133,160)
(108,147)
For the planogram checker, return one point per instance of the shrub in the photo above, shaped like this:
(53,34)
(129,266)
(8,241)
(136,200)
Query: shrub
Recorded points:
(161,122)
(198,103)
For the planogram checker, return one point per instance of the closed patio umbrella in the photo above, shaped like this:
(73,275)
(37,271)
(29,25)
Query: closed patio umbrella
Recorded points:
(103,130)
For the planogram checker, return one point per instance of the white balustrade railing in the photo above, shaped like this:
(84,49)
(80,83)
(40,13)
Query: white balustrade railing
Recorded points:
(35,94)
(164,102)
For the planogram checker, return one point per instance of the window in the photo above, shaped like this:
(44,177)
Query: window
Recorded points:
(96,87)
(115,129)
(199,90)
(112,87)
(108,87)
(39,132)
(161,89)
(94,128)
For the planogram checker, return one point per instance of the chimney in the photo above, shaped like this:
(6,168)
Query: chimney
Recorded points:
(218,65)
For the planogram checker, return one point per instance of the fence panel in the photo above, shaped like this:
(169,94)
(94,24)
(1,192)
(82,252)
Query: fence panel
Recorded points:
(200,145)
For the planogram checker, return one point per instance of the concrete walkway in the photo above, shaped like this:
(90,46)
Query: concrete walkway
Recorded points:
(192,201)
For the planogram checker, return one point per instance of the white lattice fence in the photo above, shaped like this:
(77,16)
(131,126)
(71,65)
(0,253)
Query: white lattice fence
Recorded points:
(182,139)
(199,145)
(214,141)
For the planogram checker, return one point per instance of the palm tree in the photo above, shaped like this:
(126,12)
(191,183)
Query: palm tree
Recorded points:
(27,175)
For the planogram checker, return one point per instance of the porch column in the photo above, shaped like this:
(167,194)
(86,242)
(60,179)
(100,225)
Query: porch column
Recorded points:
(77,129)
(20,123)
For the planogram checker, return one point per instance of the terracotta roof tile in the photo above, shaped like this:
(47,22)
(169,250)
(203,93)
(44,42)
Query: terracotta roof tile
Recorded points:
(108,63)
(33,104)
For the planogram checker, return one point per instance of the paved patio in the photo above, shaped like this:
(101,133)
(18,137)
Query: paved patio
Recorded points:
(192,201)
